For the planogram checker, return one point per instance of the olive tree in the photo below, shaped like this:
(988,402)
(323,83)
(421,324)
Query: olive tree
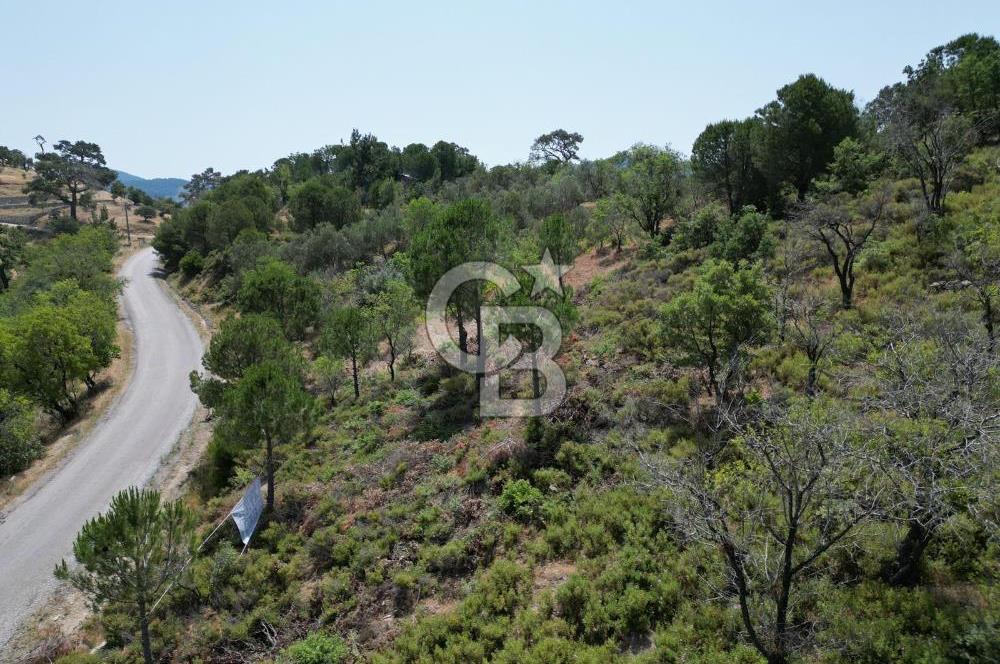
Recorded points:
(931,387)
(791,486)
(843,226)
(712,326)
(393,314)
(651,186)
(348,333)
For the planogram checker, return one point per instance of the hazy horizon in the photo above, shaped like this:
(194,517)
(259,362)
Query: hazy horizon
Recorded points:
(170,90)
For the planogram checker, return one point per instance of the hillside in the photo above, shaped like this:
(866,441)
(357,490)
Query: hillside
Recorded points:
(15,209)
(155,187)
(774,437)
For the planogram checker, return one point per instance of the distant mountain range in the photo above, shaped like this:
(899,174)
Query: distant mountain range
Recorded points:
(155,187)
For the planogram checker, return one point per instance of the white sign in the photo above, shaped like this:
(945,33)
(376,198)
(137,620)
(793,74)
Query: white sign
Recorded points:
(247,511)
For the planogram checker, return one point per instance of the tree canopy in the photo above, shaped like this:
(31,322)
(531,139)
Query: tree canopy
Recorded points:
(70,173)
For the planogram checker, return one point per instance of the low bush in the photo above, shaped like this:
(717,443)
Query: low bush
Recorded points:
(192,264)
(521,500)
(317,648)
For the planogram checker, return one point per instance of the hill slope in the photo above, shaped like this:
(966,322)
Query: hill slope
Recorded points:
(156,187)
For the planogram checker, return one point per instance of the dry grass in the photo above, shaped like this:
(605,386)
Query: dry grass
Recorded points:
(12,182)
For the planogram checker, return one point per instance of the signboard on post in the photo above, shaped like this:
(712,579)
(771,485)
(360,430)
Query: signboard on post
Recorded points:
(247,512)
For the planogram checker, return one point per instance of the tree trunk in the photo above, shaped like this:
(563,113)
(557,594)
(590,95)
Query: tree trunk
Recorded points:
(270,473)
(72,205)
(392,364)
(781,614)
(354,371)
(147,646)
(713,384)
(536,382)
(846,294)
(811,381)
(988,321)
(480,354)
(463,336)
(905,569)
(4,281)
(739,579)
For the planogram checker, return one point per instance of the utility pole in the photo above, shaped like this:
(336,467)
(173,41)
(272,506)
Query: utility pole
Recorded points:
(128,229)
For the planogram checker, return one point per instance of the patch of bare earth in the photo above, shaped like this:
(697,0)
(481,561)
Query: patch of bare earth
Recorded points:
(587,267)
(592,264)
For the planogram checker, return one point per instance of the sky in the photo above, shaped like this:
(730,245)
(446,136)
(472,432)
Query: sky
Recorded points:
(170,88)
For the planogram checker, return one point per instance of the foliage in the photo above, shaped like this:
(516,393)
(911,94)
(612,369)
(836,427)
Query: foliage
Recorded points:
(147,212)
(131,554)
(242,343)
(797,482)
(268,406)
(70,173)
(12,248)
(192,264)
(608,223)
(832,499)
(712,325)
(724,157)
(348,333)
(274,288)
(317,648)
(558,237)
(321,201)
(19,444)
(801,129)
(329,375)
(520,500)
(558,146)
(392,312)
(651,186)
(50,355)
(744,237)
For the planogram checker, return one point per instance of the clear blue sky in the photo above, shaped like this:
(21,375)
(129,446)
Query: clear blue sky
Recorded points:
(169,88)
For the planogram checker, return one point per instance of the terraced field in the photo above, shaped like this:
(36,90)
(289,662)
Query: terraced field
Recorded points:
(17,210)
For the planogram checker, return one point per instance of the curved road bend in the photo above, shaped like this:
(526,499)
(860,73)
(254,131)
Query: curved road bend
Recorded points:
(124,448)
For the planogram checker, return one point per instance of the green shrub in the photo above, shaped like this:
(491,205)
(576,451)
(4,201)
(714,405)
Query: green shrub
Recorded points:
(79,658)
(628,596)
(192,264)
(521,500)
(583,460)
(317,648)
(552,479)
(875,623)
(448,559)
(503,589)
(19,441)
